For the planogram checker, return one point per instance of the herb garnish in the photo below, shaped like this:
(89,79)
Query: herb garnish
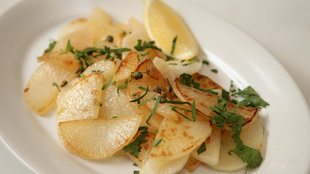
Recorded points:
(188,80)
(193,111)
(85,60)
(69,47)
(190,62)
(134,147)
(106,84)
(145,45)
(98,71)
(173,44)
(157,141)
(202,148)
(168,58)
(123,86)
(205,62)
(154,109)
(50,46)
(247,154)
(56,85)
(214,71)
(251,98)
(136,172)
(146,91)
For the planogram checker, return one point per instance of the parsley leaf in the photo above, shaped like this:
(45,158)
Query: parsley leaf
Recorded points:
(173,44)
(123,86)
(136,172)
(202,148)
(214,71)
(69,47)
(188,80)
(134,147)
(50,46)
(251,98)
(205,62)
(247,154)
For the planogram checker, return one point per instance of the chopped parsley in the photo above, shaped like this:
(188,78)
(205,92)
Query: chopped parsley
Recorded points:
(168,58)
(225,95)
(106,84)
(69,47)
(202,148)
(145,45)
(188,80)
(214,71)
(84,55)
(247,154)
(98,71)
(114,116)
(157,141)
(173,44)
(82,75)
(190,62)
(206,62)
(56,85)
(50,46)
(123,86)
(136,172)
(135,146)
(251,98)
(123,32)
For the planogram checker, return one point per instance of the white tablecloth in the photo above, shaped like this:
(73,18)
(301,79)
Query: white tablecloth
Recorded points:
(281,26)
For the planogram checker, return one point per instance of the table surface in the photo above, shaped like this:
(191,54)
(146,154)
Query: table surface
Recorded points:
(281,26)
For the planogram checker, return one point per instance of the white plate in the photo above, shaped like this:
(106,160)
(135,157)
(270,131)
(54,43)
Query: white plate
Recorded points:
(25,31)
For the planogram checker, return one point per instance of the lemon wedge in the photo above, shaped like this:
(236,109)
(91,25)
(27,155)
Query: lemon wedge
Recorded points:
(163,24)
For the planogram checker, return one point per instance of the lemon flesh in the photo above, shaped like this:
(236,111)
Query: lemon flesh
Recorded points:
(163,24)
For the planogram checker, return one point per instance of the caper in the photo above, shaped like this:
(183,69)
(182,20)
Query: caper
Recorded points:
(63,83)
(109,38)
(156,89)
(137,75)
(135,95)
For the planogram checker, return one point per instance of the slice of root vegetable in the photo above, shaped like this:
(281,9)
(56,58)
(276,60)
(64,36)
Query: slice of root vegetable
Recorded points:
(40,94)
(205,82)
(131,40)
(251,136)
(205,100)
(106,67)
(98,22)
(192,164)
(180,137)
(154,123)
(135,26)
(163,109)
(79,40)
(164,166)
(126,67)
(177,67)
(98,139)
(211,155)
(116,104)
(144,151)
(72,27)
(82,101)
